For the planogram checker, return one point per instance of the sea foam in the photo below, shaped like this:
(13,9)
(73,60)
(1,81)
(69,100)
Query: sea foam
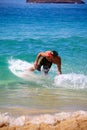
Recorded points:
(76,81)
(20,68)
(7,120)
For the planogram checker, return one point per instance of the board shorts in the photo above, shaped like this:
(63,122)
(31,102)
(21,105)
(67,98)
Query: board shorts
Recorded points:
(45,64)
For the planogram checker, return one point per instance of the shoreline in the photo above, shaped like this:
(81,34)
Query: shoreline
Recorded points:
(56,1)
(58,121)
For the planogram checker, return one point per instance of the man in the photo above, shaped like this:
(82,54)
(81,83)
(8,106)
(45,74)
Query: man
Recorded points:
(46,59)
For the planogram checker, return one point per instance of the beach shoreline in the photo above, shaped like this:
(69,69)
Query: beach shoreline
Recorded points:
(58,121)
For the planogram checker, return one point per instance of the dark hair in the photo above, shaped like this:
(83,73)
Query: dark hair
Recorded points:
(54,53)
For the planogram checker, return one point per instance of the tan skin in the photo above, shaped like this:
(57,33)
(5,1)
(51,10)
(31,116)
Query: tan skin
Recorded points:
(55,60)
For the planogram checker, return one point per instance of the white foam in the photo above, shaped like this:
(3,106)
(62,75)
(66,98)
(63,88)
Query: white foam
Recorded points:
(6,119)
(47,118)
(20,68)
(18,121)
(77,81)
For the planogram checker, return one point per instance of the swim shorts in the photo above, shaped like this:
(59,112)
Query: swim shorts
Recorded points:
(45,64)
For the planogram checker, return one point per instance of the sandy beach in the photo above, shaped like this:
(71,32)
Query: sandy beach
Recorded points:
(58,121)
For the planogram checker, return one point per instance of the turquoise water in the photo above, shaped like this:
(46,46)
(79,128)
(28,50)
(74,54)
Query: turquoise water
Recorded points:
(25,30)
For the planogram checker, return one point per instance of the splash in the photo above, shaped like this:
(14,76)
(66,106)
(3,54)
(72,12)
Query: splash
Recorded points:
(76,81)
(7,120)
(20,68)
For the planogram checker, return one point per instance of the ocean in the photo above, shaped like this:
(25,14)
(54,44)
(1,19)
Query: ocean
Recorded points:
(26,30)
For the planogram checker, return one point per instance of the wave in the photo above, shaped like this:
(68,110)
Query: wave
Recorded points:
(75,81)
(20,68)
(7,120)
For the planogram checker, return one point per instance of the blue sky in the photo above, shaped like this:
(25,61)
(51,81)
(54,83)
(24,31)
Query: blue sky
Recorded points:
(20,1)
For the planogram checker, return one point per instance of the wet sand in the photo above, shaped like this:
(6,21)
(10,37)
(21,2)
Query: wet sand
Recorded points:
(58,121)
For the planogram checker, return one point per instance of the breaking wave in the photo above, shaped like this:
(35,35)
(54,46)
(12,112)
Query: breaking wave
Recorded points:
(76,81)
(7,120)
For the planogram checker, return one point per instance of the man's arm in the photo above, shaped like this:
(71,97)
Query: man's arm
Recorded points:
(59,66)
(41,54)
(36,61)
(59,69)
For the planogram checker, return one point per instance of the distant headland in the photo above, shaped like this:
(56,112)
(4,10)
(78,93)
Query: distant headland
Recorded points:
(57,1)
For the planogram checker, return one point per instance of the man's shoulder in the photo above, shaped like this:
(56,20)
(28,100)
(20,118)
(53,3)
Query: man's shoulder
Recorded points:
(57,60)
(57,57)
(47,51)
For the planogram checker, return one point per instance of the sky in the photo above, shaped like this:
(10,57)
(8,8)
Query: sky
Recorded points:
(20,1)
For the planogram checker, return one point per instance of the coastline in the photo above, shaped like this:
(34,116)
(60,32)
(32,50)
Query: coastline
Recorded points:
(56,1)
(59,121)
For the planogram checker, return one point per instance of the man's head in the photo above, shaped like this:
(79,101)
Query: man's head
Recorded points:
(54,53)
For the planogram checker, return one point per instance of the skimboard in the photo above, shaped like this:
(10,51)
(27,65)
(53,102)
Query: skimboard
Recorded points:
(20,68)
